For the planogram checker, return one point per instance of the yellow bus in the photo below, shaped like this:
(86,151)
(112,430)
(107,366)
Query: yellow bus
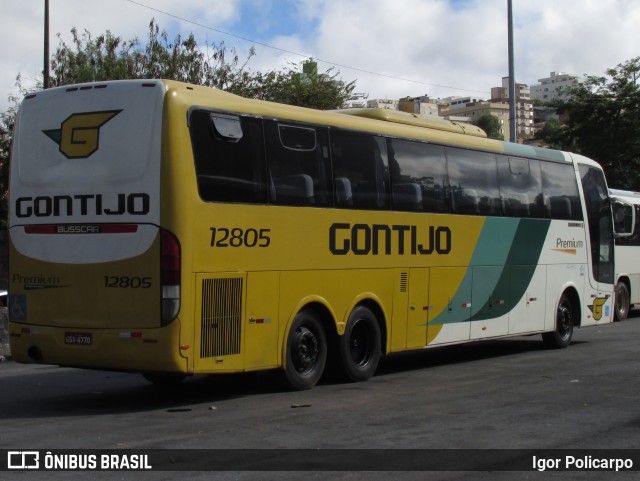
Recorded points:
(171,229)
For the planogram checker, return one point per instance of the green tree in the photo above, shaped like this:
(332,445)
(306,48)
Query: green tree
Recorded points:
(491,125)
(108,57)
(550,134)
(603,123)
(7,120)
(297,84)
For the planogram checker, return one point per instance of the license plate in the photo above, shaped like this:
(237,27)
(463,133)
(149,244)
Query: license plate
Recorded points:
(79,338)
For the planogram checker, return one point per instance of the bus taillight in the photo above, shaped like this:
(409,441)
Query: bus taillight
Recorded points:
(170,276)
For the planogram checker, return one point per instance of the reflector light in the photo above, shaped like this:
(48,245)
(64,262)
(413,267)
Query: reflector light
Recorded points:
(169,276)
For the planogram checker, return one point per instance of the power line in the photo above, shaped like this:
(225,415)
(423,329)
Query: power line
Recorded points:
(298,54)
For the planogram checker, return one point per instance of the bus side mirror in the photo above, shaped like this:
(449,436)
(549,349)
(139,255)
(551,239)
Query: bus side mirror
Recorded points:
(624,218)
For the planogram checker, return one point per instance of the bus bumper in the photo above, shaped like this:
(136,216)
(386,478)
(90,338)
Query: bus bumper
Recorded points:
(134,350)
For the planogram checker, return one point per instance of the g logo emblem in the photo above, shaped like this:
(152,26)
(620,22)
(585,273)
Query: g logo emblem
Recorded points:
(79,135)
(597,307)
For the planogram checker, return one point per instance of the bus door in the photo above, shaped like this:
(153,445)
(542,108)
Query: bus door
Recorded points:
(600,225)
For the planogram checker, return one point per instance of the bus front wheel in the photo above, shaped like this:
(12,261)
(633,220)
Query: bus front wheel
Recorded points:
(565,315)
(621,301)
(360,345)
(306,353)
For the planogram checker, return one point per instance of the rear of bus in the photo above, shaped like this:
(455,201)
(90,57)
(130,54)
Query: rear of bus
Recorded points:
(94,280)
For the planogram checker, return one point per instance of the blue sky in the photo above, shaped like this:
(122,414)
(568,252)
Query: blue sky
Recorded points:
(391,48)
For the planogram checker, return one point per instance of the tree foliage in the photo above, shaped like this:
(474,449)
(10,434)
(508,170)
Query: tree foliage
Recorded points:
(7,121)
(550,134)
(491,125)
(308,88)
(602,121)
(109,57)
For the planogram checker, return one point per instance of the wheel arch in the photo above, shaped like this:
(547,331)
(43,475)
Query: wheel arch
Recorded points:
(572,293)
(331,323)
(624,279)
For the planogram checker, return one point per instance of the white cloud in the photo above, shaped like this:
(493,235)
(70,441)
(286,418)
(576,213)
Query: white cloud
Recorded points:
(459,44)
(22,24)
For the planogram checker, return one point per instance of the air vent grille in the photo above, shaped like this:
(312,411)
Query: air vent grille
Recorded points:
(221,317)
(404,278)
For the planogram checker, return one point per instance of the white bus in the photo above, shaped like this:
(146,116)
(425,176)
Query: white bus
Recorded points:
(627,253)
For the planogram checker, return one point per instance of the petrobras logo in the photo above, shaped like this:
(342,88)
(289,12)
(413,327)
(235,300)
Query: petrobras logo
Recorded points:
(79,135)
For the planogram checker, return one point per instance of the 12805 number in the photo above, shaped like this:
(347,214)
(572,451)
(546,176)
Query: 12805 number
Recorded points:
(236,237)
(127,282)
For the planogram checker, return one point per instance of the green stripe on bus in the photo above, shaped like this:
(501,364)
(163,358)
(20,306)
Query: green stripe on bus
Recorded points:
(502,244)
(521,150)
(513,282)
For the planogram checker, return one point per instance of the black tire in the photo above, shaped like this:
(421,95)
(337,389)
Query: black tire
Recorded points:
(621,302)
(306,353)
(565,317)
(360,345)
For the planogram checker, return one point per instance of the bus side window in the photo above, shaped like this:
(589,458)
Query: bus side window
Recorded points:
(561,198)
(299,166)
(229,157)
(520,187)
(360,170)
(474,182)
(418,176)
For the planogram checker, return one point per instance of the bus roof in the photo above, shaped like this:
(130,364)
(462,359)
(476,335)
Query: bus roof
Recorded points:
(417,120)
(631,196)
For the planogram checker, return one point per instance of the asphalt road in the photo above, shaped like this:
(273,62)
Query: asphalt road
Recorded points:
(506,394)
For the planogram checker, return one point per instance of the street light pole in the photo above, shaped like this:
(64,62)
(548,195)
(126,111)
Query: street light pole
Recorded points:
(45,70)
(512,80)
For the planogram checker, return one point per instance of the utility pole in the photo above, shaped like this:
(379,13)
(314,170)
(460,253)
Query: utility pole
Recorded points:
(512,79)
(45,70)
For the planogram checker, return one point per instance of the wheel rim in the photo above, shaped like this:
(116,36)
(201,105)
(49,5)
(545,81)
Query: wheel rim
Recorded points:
(621,303)
(565,320)
(359,344)
(305,351)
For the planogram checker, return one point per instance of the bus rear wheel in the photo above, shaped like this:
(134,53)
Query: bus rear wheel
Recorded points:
(306,351)
(565,315)
(360,345)
(622,300)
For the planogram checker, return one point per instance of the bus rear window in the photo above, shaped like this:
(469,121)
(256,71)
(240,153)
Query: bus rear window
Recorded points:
(229,157)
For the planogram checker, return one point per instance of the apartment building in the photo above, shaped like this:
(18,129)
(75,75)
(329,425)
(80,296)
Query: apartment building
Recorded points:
(422,105)
(554,87)
(472,111)
(524,107)
(382,104)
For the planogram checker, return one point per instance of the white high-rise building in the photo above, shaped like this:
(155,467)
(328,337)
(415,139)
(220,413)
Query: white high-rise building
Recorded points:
(554,86)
